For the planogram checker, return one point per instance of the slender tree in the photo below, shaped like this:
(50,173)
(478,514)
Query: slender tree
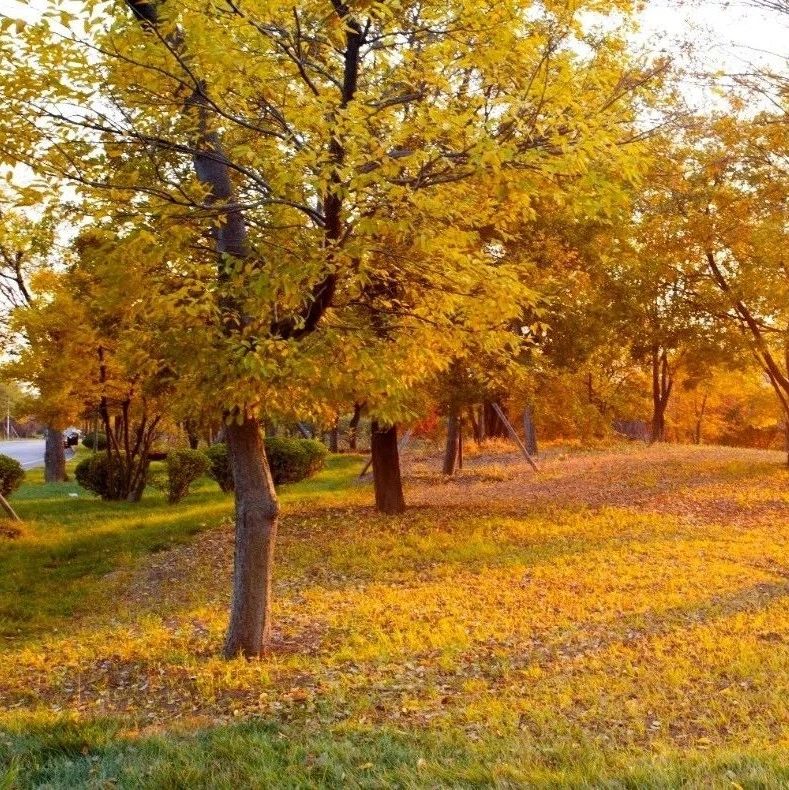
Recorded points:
(306,137)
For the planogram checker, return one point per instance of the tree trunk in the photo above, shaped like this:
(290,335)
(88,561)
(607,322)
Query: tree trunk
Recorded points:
(334,436)
(475,426)
(353,426)
(658,424)
(529,431)
(662,382)
(786,436)
(389,497)
(192,436)
(699,419)
(494,427)
(257,509)
(54,457)
(451,448)
(141,480)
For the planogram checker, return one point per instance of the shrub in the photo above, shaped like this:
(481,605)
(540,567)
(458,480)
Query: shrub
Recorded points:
(99,439)
(290,460)
(219,467)
(93,474)
(11,475)
(183,468)
(157,477)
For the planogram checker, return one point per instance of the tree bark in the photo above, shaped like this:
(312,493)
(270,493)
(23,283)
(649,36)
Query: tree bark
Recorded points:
(476,429)
(192,435)
(257,511)
(494,426)
(388,483)
(334,436)
(353,426)
(451,448)
(786,436)
(662,384)
(54,457)
(658,424)
(140,480)
(529,431)
(699,419)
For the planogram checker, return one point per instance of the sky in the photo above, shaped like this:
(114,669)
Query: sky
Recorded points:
(727,33)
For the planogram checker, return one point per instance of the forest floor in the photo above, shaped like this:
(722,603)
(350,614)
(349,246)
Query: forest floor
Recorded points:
(620,619)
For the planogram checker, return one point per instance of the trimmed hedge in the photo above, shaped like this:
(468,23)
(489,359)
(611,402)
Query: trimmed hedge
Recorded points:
(11,475)
(290,460)
(92,473)
(100,440)
(183,468)
(219,466)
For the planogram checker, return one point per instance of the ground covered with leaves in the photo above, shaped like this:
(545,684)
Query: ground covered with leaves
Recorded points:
(619,619)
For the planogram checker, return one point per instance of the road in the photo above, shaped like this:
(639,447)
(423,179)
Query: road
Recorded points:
(29,452)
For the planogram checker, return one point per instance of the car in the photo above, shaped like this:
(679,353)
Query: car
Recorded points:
(71,438)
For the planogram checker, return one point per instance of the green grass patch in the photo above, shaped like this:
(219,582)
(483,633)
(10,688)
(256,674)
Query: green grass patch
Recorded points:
(71,539)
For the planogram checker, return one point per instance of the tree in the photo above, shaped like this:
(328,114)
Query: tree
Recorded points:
(662,303)
(733,198)
(305,137)
(725,405)
(25,245)
(85,351)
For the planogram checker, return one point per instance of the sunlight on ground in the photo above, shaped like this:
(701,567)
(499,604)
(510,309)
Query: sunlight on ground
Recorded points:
(613,612)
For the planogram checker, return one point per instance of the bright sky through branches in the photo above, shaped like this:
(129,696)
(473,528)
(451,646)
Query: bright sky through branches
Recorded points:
(728,35)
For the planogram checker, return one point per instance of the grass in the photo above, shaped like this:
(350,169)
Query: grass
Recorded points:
(619,621)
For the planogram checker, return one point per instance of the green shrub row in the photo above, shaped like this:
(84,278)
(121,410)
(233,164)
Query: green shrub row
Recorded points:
(290,460)
(95,474)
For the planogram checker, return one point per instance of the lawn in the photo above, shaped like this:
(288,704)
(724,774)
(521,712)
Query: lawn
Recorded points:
(619,620)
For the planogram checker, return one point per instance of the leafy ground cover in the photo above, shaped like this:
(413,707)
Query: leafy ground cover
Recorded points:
(619,620)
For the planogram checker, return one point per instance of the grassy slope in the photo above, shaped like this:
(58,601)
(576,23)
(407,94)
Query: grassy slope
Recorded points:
(572,639)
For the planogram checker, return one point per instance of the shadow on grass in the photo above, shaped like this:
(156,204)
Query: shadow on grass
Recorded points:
(70,542)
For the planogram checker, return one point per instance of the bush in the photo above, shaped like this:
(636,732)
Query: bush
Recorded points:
(290,460)
(93,474)
(219,467)
(11,475)
(183,468)
(100,440)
